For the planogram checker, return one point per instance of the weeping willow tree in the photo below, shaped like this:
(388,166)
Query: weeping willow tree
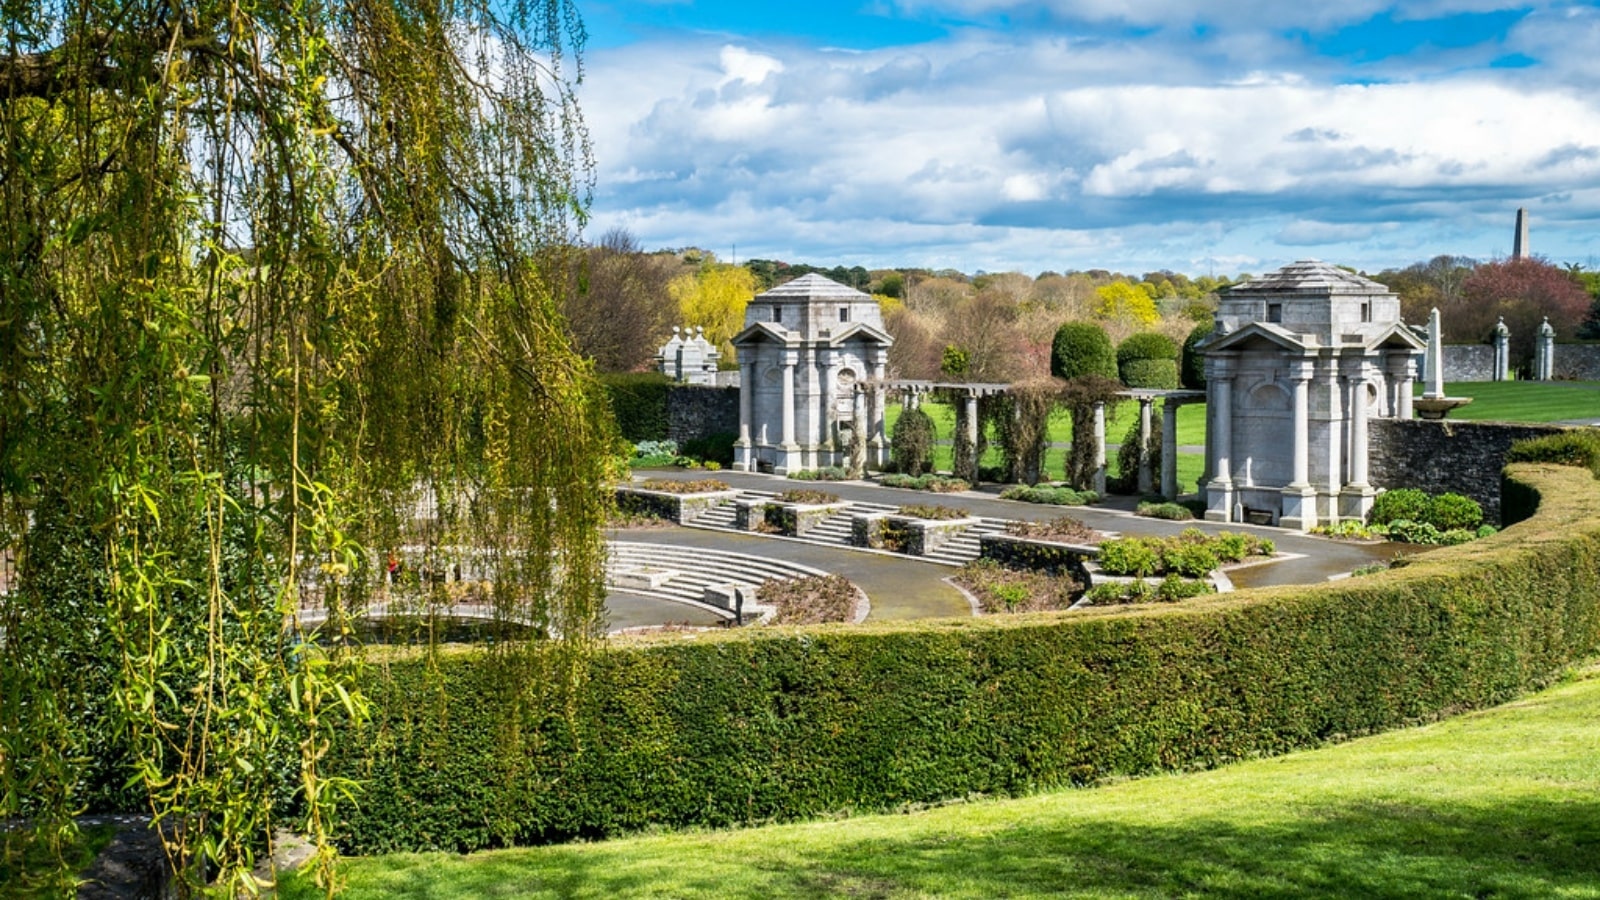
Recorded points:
(274,310)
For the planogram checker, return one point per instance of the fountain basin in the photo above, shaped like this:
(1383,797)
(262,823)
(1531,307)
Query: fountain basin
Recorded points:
(1437,407)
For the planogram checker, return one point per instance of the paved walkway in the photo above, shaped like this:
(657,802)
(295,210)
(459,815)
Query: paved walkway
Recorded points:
(902,588)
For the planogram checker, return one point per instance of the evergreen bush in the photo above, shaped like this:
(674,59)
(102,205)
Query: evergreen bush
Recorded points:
(911,445)
(1192,365)
(1407,504)
(1148,360)
(1080,349)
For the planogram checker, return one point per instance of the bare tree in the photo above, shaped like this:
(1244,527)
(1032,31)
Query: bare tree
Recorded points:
(618,310)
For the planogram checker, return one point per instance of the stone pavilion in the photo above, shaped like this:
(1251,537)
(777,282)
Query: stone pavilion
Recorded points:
(1300,360)
(812,357)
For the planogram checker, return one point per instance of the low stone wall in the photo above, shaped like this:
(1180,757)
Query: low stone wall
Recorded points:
(1439,456)
(1044,556)
(698,411)
(680,508)
(1475,362)
(1577,362)
(905,534)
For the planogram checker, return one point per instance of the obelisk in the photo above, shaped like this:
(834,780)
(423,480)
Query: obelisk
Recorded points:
(1519,243)
(1433,383)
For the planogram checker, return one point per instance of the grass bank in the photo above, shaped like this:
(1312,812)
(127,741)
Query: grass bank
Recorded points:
(1504,802)
(1525,401)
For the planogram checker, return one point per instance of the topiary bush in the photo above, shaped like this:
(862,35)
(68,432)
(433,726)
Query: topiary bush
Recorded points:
(1148,360)
(1191,364)
(1080,349)
(911,445)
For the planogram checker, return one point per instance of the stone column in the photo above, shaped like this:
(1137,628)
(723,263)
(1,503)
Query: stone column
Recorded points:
(743,459)
(878,446)
(1356,497)
(1299,507)
(1400,369)
(789,450)
(1169,449)
(1502,350)
(808,437)
(1099,448)
(970,428)
(858,423)
(1146,477)
(1219,492)
(1544,355)
(830,380)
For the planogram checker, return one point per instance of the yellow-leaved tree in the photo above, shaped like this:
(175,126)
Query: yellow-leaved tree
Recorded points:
(714,297)
(1122,302)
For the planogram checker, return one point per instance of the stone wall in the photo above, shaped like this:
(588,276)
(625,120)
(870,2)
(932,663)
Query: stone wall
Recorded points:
(1475,362)
(1468,362)
(1577,362)
(695,412)
(1464,457)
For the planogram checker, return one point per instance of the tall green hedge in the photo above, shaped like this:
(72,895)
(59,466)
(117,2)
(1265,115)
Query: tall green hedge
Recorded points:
(779,723)
(639,401)
(1191,363)
(1148,360)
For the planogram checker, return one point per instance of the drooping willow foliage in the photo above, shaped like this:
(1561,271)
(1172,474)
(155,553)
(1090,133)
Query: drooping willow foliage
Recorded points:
(275,309)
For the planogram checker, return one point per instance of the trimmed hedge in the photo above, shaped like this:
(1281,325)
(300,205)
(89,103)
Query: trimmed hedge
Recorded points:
(1148,360)
(745,727)
(639,402)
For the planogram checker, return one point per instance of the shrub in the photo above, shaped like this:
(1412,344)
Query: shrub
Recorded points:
(653,449)
(1082,348)
(911,445)
(1175,512)
(1192,365)
(1148,360)
(1409,532)
(1451,512)
(1579,447)
(1190,559)
(1048,494)
(938,484)
(1231,546)
(1129,556)
(1170,589)
(1409,504)
(827,473)
(1132,452)
(639,403)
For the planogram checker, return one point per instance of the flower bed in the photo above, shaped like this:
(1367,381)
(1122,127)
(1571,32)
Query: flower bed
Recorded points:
(677,501)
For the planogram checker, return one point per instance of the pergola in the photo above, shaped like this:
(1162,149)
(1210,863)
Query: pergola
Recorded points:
(968,394)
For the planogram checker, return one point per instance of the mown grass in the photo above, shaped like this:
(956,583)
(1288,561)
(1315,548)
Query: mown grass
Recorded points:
(1501,803)
(1525,401)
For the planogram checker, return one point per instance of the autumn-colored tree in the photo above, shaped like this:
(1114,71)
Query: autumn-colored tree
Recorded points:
(1523,292)
(714,297)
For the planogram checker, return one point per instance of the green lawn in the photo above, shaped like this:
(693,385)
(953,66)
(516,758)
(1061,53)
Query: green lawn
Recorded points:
(1525,401)
(1501,803)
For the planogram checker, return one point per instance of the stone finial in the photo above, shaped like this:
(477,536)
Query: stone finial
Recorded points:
(1501,329)
(1547,330)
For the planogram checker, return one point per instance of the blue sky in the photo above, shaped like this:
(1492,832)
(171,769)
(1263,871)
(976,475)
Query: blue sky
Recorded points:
(1072,134)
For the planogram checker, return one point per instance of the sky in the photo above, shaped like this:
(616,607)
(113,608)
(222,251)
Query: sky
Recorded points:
(1130,135)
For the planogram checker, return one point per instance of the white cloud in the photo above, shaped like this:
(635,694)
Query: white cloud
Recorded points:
(1018,151)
